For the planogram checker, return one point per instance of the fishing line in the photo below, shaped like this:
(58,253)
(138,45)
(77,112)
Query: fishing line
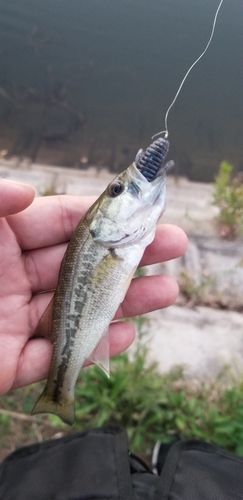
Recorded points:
(166,132)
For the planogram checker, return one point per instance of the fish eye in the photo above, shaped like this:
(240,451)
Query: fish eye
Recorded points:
(115,189)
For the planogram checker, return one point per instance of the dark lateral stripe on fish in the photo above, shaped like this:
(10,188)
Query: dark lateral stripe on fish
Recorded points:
(151,161)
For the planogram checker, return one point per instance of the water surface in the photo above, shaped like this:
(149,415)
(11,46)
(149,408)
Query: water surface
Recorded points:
(89,81)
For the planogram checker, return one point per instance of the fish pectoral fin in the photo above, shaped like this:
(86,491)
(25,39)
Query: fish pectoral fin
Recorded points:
(101,354)
(44,327)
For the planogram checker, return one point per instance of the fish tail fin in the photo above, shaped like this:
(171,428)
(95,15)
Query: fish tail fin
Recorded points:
(64,408)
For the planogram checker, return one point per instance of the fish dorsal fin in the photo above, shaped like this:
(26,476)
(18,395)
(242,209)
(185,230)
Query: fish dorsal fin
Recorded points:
(44,327)
(101,354)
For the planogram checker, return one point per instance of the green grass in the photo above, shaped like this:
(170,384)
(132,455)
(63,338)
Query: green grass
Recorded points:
(155,407)
(228,196)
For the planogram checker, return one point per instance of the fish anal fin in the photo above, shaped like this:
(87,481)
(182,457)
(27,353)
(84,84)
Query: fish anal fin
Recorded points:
(44,327)
(101,354)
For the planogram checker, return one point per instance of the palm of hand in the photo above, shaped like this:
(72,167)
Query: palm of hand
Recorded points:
(15,305)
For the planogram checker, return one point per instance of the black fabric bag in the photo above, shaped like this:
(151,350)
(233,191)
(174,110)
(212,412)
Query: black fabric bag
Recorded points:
(96,465)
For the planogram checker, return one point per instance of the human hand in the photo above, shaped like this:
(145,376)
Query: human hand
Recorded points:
(33,239)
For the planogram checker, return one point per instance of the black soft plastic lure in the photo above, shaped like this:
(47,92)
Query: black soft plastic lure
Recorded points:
(152,160)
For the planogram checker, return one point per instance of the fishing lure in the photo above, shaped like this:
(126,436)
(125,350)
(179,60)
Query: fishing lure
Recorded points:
(152,160)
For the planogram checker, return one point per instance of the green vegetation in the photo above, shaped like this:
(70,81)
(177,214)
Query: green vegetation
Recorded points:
(149,405)
(50,191)
(228,196)
(196,293)
(155,407)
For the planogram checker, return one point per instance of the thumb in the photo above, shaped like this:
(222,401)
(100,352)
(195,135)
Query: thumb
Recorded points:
(14,197)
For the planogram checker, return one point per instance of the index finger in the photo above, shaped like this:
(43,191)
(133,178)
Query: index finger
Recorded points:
(170,242)
(14,196)
(42,265)
(49,220)
(52,220)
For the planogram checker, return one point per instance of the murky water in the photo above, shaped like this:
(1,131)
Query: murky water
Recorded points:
(89,81)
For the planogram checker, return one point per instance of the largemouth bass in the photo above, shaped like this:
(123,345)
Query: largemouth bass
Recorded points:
(96,272)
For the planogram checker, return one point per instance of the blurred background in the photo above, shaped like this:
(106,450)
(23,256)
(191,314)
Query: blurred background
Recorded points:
(89,81)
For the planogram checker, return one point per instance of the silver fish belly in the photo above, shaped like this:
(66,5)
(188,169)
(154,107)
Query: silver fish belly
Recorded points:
(95,274)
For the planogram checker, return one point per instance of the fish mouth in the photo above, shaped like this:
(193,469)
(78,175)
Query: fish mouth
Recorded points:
(151,162)
(125,239)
